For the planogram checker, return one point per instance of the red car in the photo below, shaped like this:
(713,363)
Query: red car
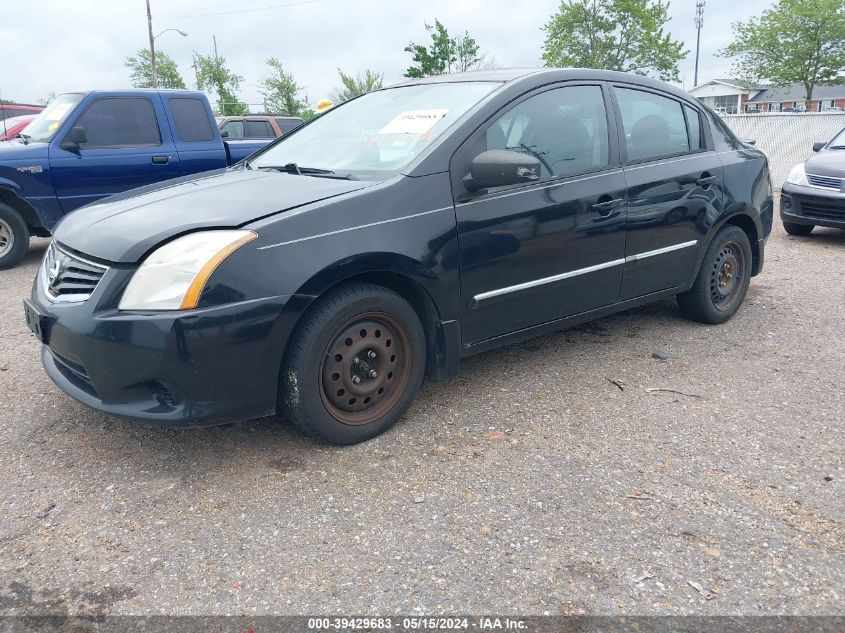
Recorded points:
(11,126)
(9,109)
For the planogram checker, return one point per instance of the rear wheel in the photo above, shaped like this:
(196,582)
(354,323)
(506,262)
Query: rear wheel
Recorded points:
(722,281)
(14,237)
(353,365)
(798,229)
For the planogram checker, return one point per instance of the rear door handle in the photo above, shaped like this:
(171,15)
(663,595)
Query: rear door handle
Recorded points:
(161,160)
(606,207)
(704,181)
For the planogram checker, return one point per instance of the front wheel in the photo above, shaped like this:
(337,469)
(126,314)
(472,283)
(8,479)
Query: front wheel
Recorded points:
(14,237)
(798,229)
(722,281)
(353,365)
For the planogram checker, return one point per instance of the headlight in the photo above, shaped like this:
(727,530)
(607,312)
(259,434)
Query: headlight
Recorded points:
(797,176)
(173,276)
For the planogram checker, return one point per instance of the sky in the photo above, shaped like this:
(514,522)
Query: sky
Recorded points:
(63,45)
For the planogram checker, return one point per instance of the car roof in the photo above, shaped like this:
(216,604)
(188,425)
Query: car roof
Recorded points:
(541,75)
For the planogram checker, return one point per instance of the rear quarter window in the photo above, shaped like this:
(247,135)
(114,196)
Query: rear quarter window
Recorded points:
(191,119)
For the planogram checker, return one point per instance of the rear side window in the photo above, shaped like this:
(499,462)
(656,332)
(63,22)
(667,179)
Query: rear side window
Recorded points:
(259,129)
(234,128)
(287,125)
(120,122)
(654,126)
(191,118)
(696,140)
(565,128)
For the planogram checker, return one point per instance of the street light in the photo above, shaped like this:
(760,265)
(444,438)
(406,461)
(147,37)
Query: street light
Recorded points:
(153,45)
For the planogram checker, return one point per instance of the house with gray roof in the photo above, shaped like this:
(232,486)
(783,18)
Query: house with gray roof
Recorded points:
(729,96)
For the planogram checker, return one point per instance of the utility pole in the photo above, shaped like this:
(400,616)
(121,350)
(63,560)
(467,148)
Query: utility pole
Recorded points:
(217,77)
(152,45)
(699,22)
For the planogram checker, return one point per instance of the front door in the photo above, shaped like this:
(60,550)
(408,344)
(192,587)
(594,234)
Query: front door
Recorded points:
(674,189)
(125,149)
(536,252)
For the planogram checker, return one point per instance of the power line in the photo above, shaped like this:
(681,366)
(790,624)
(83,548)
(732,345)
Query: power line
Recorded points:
(200,15)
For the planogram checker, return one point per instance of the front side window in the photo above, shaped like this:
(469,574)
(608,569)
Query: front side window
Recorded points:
(564,128)
(116,122)
(378,133)
(234,128)
(44,127)
(653,125)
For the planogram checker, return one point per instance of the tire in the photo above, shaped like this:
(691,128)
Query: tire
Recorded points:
(722,281)
(802,230)
(366,323)
(14,237)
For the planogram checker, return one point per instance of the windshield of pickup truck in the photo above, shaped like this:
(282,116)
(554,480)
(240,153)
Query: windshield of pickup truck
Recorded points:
(44,126)
(379,132)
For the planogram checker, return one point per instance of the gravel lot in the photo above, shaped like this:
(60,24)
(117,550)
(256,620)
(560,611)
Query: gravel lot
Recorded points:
(712,484)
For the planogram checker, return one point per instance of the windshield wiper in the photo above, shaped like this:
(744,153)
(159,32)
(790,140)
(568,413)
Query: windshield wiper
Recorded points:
(24,137)
(836,147)
(293,168)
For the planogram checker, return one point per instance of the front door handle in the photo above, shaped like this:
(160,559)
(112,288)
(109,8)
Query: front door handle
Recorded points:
(606,207)
(706,181)
(161,160)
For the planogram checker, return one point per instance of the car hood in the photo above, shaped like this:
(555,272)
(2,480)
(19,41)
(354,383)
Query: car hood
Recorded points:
(14,150)
(827,163)
(123,228)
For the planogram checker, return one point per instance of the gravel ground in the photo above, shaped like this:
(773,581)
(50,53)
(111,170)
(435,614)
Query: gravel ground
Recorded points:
(711,484)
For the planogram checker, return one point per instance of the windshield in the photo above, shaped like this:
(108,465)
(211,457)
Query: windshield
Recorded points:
(44,126)
(838,141)
(380,132)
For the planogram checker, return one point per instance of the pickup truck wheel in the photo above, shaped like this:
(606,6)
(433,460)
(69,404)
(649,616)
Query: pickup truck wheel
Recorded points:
(798,229)
(14,237)
(722,281)
(353,365)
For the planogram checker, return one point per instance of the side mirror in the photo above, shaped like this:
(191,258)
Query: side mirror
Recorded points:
(501,167)
(224,133)
(76,137)
(817,147)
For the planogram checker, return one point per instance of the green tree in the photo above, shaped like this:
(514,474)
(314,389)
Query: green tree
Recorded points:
(215,78)
(142,70)
(445,54)
(284,95)
(356,86)
(797,41)
(624,35)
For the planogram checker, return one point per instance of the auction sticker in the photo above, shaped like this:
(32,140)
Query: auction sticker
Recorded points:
(413,122)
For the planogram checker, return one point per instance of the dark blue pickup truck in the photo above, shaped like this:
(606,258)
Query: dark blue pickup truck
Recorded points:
(88,145)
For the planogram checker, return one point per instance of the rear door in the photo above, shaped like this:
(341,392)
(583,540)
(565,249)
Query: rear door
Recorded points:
(537,252)
(675,188)
(126,148)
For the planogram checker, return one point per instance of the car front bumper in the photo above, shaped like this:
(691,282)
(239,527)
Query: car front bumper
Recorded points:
(193,368)
(812,205)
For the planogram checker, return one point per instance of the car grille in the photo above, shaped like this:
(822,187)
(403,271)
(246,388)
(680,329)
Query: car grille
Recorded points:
(822,208)
(74,372)
(828,182)
(68,277)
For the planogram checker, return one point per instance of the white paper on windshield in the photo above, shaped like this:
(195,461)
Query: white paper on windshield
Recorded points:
(413,122)
(58,111)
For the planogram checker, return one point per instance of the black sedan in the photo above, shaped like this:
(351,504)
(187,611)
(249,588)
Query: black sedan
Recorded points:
(393,236)
(814,192)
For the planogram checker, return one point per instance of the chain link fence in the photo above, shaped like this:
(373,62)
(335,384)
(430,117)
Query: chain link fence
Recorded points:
(785,139)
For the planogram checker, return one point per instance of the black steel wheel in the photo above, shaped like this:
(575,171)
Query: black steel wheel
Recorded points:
(722,281)
(353,364)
